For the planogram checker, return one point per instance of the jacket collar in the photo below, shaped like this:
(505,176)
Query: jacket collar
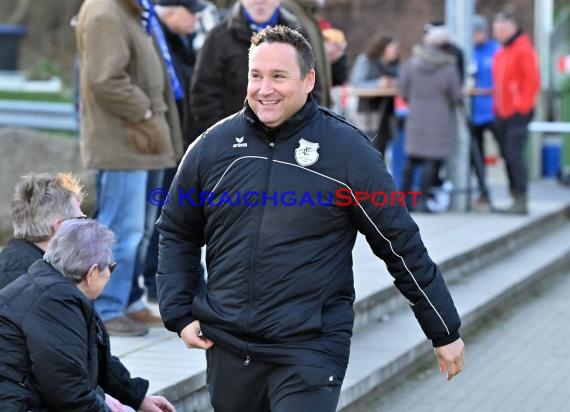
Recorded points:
(237,23)
(432,56)
(25,249)
(513,38)
(289,127)
(43,275)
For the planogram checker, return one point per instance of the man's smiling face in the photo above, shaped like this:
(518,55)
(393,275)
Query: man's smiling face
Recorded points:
(276,89)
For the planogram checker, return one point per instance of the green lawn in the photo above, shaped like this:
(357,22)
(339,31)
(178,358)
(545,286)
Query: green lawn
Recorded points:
(63,97)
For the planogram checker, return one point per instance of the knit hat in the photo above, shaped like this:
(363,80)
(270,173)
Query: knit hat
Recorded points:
(480,23)
(437,36)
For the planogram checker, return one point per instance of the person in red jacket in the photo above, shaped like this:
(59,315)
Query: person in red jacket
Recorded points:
(517,82)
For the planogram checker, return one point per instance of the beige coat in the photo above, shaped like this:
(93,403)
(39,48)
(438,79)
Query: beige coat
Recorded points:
(123,76)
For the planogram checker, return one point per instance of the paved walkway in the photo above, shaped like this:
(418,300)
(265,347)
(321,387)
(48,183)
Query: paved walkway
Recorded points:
(517,363)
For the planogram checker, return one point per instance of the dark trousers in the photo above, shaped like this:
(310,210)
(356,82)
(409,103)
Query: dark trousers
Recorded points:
(147,263)
(478,153)
(430,170)
(385,133)
(512,133)
(386,127)
(235,385)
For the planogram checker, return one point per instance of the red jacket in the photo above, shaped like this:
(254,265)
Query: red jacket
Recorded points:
(516,77)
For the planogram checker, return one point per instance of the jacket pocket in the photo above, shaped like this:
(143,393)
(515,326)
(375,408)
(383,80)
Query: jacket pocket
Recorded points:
(148,136)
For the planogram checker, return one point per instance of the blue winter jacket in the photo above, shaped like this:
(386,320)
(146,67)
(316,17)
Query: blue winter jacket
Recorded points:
(482,106)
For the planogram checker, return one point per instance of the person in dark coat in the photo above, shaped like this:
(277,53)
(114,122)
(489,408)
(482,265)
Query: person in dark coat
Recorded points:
(220,77)
(179,21)
(55,349)
(329,45)
(277,314)
(39,204)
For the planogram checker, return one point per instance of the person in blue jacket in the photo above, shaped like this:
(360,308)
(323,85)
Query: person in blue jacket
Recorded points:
(481,91)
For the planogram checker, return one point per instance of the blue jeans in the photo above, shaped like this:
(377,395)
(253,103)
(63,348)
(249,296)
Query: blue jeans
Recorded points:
(121,202)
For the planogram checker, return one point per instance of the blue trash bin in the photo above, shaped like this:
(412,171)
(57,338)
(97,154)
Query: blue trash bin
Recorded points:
(551,156)
(10,37)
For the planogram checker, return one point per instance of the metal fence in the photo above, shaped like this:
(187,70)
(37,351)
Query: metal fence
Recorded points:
(38,115)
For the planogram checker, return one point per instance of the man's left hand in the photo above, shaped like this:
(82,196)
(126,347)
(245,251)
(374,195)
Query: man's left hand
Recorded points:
(450,358)
(156,404)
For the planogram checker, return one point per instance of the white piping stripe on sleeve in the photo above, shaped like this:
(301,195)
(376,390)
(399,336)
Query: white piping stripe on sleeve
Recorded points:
(231,164)
(379,232)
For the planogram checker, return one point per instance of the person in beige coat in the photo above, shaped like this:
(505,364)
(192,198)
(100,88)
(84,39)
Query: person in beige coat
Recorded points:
(129,129)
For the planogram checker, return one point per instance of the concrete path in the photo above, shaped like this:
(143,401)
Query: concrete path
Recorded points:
(519,362)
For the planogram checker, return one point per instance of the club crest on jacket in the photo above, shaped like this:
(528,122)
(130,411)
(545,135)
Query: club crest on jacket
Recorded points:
(306,154)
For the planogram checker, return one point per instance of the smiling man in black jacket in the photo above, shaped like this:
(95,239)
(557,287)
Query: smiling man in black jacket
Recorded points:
(276,317)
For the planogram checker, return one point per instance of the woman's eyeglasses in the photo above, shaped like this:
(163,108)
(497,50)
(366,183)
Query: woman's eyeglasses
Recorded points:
(112,266)
(82,217)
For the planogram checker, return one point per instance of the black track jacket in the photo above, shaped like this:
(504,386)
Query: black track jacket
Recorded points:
(280,283)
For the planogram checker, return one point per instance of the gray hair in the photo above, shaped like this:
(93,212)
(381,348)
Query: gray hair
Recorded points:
(78,245)
(38,200)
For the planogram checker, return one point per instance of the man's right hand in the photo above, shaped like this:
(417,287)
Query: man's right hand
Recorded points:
(193,338)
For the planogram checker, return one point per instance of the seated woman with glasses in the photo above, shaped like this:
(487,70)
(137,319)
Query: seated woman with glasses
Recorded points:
(55,350)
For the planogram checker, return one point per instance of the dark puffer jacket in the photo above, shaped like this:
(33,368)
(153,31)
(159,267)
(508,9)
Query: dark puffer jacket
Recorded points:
(219,83)
(16,258)
(55,349)
(280,283)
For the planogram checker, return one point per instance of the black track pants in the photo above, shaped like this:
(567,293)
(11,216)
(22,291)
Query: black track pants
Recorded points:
(235,386)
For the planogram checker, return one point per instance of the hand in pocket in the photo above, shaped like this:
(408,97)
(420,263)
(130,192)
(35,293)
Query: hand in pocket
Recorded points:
(148,136)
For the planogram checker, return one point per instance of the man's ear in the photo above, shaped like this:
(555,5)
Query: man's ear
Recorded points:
(55,225)
(310,81)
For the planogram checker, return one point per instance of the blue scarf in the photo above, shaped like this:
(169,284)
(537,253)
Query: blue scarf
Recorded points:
(257,27)
(152,26)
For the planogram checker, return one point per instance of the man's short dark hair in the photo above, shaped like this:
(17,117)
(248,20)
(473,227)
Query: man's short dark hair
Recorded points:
(504,16)
(507,14)
(283,34)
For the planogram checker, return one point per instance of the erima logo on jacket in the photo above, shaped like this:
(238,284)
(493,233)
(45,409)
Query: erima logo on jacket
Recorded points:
(239,142)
